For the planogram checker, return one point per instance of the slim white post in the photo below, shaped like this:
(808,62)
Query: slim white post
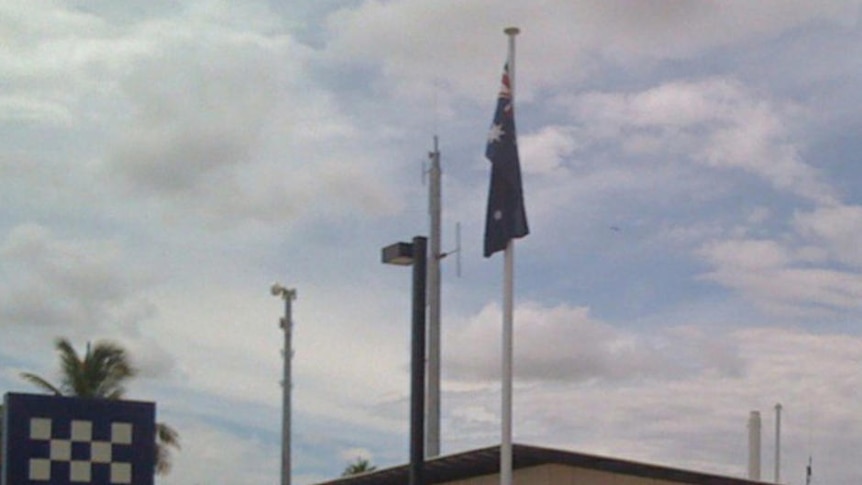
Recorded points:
(508,315)
(508,374)
(432,435)
(754,446)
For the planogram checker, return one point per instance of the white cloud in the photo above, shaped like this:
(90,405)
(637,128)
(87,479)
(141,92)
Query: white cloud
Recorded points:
(837,227)
(561,41)
(352,454)
(757,143)
(209,455)
(211,119)
(657,421)
(229,131)
(58,60)
(650,157)
(748,255)
(717,123)
(546,150)
(768,274)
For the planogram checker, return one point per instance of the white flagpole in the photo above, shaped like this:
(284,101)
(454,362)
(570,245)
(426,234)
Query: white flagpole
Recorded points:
(508,312)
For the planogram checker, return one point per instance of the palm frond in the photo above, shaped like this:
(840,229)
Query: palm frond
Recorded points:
(166,438)
(167,435)
(71,365)
(108,366)
(361,465)
(40,382)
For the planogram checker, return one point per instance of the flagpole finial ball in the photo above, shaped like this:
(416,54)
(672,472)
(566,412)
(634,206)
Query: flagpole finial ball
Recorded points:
(511,31)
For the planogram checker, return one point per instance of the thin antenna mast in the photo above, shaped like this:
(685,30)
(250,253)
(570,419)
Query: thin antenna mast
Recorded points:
(286,324)
(432,435)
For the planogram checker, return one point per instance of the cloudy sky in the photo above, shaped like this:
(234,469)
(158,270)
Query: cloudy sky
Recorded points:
(692,181)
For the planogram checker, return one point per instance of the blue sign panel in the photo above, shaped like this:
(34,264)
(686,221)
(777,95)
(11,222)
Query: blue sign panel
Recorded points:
(62,440)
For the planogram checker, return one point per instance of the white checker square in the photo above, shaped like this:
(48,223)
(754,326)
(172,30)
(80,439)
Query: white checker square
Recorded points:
(40,429)
(100,452)
(82,430)
(121,433)
(121,473)
(79,472)
(61,450)
(40,469)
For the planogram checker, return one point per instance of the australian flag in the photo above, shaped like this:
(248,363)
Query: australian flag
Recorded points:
(506,217)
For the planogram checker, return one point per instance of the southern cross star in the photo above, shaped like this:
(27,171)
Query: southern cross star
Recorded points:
(495,134)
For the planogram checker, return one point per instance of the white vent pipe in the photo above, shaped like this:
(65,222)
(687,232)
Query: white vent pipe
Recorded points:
(754,446)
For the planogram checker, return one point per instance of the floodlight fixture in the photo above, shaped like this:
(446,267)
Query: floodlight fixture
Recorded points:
(400,253)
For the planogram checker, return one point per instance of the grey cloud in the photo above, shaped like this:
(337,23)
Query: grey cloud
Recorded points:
(566,344)
(199,110)
(170,162)
(80,289)
(54,282)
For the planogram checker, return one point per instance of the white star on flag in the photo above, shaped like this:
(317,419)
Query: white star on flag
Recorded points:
(495,134)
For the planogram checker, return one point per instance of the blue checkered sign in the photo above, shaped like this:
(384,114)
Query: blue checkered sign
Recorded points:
(61,440)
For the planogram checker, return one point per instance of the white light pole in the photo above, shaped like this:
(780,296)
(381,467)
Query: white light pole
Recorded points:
(754,446)
(288,295)
(432,436)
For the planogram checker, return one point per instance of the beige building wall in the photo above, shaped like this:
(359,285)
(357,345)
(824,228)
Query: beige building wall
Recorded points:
(563,475)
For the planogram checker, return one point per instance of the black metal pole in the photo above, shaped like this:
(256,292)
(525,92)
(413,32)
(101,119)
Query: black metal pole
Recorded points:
(417,364)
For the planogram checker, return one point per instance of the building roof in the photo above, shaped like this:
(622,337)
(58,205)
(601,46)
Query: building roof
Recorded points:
(486,461)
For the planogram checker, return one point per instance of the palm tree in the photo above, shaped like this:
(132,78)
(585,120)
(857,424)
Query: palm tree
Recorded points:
(101,374)
(361,465)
